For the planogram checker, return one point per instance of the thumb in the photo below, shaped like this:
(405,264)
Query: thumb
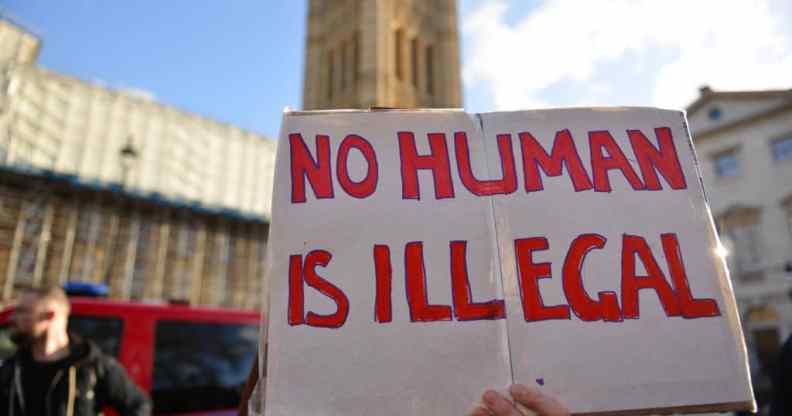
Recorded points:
(534,399)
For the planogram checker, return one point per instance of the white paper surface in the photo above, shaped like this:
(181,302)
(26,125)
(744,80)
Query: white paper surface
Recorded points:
(442,367)
(655,361)
(366,367)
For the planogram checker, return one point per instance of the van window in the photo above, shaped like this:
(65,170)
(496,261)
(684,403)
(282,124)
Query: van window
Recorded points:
(103,331)
(201,366)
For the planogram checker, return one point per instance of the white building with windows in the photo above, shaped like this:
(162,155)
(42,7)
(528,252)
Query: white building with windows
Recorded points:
(743,140)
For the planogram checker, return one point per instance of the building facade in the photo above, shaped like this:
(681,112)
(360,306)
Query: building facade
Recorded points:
(744,145)
(110,186)
(382,53)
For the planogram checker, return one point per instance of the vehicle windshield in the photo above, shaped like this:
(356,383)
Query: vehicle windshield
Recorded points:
(105,332)
(201,366)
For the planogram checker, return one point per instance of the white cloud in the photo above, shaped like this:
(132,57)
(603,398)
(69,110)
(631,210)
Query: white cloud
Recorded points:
(677,45)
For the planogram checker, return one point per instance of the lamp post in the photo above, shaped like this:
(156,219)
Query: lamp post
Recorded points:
(128,155)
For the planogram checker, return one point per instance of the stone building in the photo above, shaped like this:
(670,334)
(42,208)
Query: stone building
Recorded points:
(56,122)
(111,186)
(383,53)
(744,144)
(56,228)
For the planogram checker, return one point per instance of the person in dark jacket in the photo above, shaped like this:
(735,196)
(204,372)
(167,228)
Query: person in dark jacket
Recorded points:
(781,404)
(55,373)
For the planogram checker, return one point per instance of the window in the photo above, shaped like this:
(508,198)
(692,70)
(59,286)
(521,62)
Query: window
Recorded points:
(193,374)
(714,114)
(104,331)
(744,256)
(356,57)
(330,74)
(181,256)
(726,164)
(740,233)
(344,69)
(429,71)
(232,269)
(397,51)
(143,252)
(782,149)
(786,204)
(414,61)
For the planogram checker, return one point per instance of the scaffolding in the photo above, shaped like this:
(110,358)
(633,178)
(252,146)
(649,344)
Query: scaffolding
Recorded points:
(55,229)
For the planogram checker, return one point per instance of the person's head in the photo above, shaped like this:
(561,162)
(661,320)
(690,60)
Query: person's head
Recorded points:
(40,311)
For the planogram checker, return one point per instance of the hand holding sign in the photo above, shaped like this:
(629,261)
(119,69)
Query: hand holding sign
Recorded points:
(420,257)
(532,399)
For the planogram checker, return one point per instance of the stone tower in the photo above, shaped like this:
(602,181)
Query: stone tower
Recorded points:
(386,53)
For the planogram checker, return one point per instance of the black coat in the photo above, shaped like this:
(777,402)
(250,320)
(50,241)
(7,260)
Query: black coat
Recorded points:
(90,383)
(782,382)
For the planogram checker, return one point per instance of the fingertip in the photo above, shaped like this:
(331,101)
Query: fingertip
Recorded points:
(480,411)
(534,399)
(490,397)
(497,404)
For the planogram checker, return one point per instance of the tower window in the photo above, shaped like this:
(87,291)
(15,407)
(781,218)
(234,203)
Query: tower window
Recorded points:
(344,69)
(397,50)
(356,57)
(429,70)
(330,74)
(414,61)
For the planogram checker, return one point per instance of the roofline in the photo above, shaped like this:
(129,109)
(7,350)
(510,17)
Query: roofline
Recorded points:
(707,95)
(4,15)
(153,101)
(742,122)
(114,188)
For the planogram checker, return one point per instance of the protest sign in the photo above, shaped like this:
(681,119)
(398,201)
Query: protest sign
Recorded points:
(418,258)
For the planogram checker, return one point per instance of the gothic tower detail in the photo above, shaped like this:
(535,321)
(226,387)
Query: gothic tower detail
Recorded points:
(386,53)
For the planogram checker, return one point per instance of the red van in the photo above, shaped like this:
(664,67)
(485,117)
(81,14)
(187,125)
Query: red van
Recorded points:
(190,360)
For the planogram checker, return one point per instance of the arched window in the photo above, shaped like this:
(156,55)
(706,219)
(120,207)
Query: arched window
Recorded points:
(739,229)
(330,74)
(398,53)
(357,65)
(429,69)
(414,61)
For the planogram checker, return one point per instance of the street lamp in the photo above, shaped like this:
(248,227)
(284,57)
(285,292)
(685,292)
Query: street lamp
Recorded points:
(128,155)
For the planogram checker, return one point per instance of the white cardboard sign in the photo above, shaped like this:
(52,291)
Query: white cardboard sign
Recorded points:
(420,257)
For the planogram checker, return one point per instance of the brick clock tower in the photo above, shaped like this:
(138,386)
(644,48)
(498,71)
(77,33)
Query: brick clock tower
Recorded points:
(387,53)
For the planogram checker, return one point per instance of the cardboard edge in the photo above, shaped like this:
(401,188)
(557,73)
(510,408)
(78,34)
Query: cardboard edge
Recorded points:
(699,408)
(371,110)
(600,109)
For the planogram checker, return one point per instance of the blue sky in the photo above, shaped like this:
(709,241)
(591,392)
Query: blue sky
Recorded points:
(241,61)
